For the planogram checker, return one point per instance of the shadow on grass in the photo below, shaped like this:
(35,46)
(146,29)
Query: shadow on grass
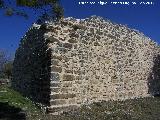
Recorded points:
(8,112)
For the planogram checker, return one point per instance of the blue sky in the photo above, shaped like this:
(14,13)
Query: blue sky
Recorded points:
(145,18)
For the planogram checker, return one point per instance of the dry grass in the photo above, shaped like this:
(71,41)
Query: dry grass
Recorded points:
(135,109)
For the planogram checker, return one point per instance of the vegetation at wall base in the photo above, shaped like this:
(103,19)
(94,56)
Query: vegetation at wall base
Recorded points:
(13,106)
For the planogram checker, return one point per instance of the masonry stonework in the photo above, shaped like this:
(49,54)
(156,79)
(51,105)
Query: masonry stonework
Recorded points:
(73,62)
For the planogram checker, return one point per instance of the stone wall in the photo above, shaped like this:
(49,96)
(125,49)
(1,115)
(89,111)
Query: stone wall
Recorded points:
(86,61)
(31,71)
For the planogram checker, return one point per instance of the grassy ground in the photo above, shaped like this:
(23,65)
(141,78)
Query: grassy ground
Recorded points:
(15,107)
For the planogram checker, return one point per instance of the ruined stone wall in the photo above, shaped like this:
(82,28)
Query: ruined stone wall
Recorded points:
(31,71)
(92,60)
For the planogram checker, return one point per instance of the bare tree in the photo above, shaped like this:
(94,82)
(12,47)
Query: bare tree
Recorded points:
(2,59)
(7,69)
(6,62)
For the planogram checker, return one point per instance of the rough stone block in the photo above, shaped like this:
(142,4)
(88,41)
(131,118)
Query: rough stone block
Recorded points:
(55,84)
(55,77)
(67,77)
(62,96)
(68,71)
(56,69)
(60,109)
(67,45)
(52,40)
(72,41)
(57,57)
(55,62)
(55,90)
(57,102)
